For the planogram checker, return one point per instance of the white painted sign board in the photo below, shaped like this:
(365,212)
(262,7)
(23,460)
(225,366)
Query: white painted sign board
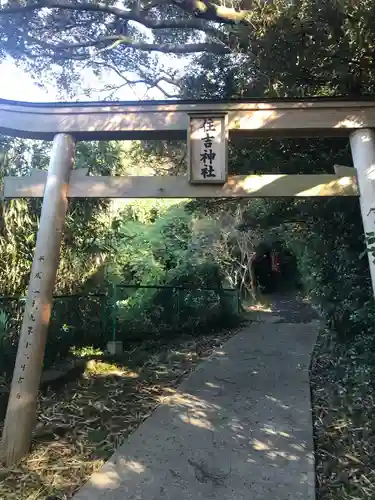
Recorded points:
(208,149)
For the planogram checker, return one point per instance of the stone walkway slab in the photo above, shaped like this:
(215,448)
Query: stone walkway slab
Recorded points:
(239,428)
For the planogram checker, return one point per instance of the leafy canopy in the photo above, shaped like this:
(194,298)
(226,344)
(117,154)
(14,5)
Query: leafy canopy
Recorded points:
(120,37)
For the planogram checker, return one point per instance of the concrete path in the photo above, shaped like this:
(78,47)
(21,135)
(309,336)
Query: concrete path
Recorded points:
(239,428)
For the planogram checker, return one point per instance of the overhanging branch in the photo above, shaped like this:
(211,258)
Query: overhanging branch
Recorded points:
(145,79)
(205,9)
(69,50)
(197,8)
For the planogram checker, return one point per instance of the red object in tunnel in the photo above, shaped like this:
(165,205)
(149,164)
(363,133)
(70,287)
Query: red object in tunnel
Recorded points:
(275,262)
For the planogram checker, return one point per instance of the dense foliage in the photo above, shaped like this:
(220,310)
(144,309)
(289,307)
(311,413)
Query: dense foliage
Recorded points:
(182,263)
(81,252)
(109,245)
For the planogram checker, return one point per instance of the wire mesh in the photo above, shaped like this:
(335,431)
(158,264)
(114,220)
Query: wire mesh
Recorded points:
(142,310)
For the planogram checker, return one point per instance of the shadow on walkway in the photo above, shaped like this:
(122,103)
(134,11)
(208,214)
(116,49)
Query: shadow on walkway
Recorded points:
(238,428)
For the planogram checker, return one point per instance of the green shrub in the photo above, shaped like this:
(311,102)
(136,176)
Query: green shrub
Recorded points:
(332,260)
(194,301)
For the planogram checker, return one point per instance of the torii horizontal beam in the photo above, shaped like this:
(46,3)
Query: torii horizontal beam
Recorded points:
(241,186)
(170,119)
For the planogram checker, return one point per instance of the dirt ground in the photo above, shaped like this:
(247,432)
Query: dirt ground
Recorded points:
(81,424)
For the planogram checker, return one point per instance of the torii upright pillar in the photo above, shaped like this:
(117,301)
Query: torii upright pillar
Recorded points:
(21,412)
(362,144)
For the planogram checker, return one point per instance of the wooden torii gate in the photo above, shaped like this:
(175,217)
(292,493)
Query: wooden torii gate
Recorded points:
(206,125)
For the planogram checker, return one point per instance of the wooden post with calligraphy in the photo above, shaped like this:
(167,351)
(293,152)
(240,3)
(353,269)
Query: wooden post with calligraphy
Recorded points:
(21,413)
(208,148)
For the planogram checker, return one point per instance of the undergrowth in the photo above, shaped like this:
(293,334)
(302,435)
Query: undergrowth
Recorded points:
(343,396)
(82,424)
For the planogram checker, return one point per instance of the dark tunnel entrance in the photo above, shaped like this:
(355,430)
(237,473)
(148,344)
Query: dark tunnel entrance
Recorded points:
(274,269)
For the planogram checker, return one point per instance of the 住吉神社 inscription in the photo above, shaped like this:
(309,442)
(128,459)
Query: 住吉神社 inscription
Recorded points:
(208,149)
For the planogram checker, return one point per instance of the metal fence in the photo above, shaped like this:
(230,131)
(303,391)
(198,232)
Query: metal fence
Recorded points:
(125,312)
(76,320)
(68,310)
(139,310)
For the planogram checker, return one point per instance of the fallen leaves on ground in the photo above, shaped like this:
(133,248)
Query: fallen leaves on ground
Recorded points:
(343,390)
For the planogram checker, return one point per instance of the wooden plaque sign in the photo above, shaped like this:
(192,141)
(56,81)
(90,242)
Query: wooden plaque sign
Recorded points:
(208,149)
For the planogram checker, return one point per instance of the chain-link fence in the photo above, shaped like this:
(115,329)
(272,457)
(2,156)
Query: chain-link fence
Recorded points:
(76,320)
(126,312)
(139,311)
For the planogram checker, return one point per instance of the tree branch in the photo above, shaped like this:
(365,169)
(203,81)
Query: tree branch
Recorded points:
(205,9)
(145,79)
(124,14)
(113,41)
(155,83)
